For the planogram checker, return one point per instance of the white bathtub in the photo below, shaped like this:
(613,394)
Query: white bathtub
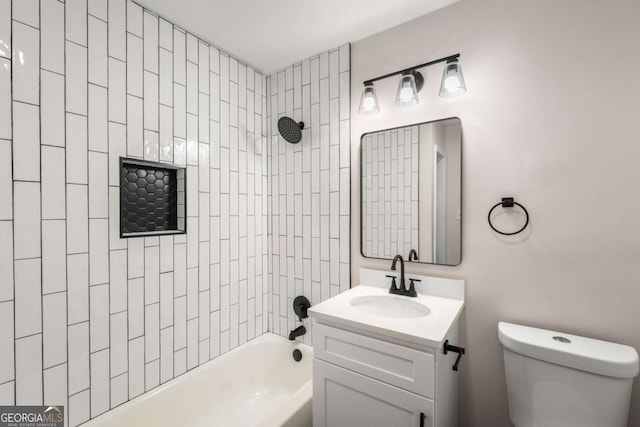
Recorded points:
(256,384)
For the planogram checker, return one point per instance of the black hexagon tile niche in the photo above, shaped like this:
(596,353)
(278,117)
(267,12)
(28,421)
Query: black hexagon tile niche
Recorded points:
(149,198)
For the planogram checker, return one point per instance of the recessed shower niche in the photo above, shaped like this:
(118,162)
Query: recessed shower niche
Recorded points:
(152,198)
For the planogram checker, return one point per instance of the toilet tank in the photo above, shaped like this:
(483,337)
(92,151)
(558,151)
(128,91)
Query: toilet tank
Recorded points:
(558,379)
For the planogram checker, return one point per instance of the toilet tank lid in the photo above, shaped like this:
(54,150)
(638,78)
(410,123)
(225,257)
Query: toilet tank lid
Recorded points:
(586,354)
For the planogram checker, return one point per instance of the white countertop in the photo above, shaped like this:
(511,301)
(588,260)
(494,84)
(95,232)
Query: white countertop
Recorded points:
(429,330)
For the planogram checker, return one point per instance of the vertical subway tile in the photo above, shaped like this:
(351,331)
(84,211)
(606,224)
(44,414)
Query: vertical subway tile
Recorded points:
(27,219)
(180,269)
(179,111)
(78,288)
(97,51)
(136,257)
(179,56)
(77,219)
(166,78)
(117,90)
(7,393)
(98,116)
(52,109)
(166,300)
(98,251)
(166,35)
(5,28)
(150,42)
(117,149)
(78,336)
(98,8)
(26,63)
(54,274)
(26,141)
(76,149)
(6,260)
(54,329)
(136,307)
(119,390)
(76,74)
(29,370)
(152,275)
(6,342)
(5,98)
(192,48)
(165,144)
(166,354)
(180,322)
(118,343)
(117,281)
(98,185)
(99,317)
(134,18)
(192,343)
(224,77)
(150,101)
(152,374)
(134,127)
(76,21)
(136,367)
(100,382)
(55,384)
(134,65)
(192,88)
(151,332)
(166,254)
(203,67)
(151,145)
(117,29)
(53,183)
(79,407)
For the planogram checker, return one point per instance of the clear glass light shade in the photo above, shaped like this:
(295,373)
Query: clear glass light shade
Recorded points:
(452,80)
(407,92)
(369,101)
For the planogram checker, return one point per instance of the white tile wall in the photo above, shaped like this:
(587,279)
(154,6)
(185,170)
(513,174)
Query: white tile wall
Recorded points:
(309,184)
(390,192)
(97,320)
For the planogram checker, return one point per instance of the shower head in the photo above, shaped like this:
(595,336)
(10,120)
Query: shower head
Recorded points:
(290,130)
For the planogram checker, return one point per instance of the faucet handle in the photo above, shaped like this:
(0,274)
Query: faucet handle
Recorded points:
(393,281)
(412,288)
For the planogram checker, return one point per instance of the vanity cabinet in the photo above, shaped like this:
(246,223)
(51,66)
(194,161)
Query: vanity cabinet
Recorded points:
(365,379)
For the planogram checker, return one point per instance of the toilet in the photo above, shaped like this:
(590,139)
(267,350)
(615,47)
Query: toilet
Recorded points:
(561,380)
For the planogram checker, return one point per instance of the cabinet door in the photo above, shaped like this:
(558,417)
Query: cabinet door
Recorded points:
(345,398)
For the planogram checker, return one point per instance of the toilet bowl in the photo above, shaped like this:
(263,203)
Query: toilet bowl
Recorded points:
(563,380)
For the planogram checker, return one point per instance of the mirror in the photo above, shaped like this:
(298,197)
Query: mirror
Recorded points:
(411,192)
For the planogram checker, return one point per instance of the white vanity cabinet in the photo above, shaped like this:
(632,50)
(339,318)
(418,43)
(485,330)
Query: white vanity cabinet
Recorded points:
(363,380)
(379,359)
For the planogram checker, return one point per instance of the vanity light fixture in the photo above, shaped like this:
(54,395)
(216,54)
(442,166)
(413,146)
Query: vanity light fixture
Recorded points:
(369,100)
(412,82)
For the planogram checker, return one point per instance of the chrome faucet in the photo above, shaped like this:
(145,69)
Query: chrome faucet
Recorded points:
(402,289)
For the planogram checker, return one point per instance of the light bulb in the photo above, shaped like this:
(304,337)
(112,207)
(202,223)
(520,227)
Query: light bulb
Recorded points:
(452,79)
(369,100)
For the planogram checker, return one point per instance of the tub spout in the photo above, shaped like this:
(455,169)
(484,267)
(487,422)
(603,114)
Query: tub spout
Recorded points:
(297,332)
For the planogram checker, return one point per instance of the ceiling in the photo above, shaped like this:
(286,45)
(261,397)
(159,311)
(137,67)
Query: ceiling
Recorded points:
(272,34)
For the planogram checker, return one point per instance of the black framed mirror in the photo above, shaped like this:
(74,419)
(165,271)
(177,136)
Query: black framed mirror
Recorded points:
(411,192)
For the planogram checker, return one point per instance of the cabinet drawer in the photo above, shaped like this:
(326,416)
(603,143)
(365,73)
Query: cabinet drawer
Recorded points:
(393,364)
(343,398)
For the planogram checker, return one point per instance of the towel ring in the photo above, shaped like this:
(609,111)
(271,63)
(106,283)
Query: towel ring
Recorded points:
(507,202)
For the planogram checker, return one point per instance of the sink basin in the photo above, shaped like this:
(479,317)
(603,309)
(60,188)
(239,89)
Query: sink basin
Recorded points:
(389,306)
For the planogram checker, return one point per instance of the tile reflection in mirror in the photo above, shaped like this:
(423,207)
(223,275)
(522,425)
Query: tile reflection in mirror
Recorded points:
(411,192)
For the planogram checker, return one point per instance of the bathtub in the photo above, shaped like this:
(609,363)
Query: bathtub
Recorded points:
(256,384)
